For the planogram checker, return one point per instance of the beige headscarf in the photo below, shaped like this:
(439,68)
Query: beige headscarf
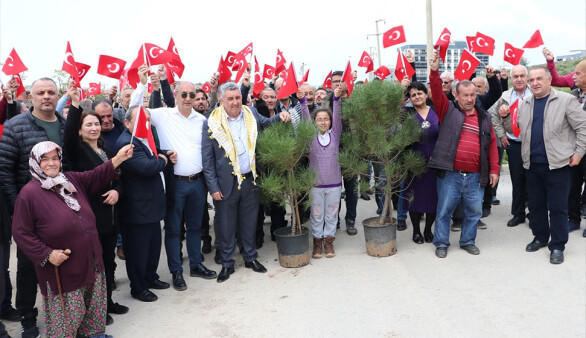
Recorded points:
(59,184)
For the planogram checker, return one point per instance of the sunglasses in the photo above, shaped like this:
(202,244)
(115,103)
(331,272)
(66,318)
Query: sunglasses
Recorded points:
(191,95)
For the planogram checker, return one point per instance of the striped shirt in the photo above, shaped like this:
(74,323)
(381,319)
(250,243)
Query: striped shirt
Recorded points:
(468,154)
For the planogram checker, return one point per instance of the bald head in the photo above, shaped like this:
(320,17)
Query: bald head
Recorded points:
(519,78)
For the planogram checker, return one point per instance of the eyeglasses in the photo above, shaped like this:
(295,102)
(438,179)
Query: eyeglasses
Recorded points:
(446,82)
(191,95)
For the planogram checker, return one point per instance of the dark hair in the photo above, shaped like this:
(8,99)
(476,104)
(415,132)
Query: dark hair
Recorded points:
(337,73)
(327,110)
(199,90)
(417,86)
(101,101)
(322,88)
(85,114)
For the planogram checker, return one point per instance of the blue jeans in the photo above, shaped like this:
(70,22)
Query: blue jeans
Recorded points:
(191,198)
(452,188)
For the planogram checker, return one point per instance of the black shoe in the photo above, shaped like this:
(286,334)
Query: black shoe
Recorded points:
(428,236)
(210,207)
(456,226)
(350,229)
(218,257)
(365,196)
(441,252)
(113,285)
(417,238)
(146,296)
(471,249)
(117,309)
(225,274)
(401,225)
(201,271)
(513,222)
(259,243)
(178,281)
(206,248)
(535,245)
(485,212)
(481,225)
(556,256)
(109,320)
(159,285)
(255,266)
(11,315)
(495,201)
(572,225)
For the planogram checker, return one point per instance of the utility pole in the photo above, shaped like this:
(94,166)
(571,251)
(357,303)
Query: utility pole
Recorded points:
(429,50)
(377,39)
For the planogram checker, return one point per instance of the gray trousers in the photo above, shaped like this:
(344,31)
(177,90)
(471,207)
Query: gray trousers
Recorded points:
(238,211)
(325,203)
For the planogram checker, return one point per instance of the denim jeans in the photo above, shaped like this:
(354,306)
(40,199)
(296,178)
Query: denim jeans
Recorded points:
(191,197)
(379,197)
(452,188)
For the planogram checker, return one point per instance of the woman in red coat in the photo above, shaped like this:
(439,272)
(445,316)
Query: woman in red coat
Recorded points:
(53,224)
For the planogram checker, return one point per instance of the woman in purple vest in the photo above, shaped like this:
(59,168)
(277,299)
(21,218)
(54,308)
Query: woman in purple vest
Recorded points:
(423,189)
(323,158)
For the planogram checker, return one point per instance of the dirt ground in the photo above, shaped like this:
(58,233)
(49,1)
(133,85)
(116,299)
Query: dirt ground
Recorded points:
(504,291)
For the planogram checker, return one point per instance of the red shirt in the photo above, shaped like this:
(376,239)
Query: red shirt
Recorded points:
(468,154)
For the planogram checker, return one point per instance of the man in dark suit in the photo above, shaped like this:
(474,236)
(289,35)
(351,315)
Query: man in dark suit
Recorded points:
(228,156)
(142,209)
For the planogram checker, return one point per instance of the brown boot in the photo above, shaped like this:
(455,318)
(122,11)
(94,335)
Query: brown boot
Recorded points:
(317,247)
(329,247)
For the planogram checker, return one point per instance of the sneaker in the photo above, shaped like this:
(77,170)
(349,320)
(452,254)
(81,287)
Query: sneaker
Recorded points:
(178,281)
(441,252)
(495,201)
(481,225)
(456,226)
(471,249)
(485,212)
(30,331)
(350,229)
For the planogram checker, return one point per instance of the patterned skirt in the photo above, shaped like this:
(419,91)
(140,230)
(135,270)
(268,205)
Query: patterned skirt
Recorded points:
(85,308)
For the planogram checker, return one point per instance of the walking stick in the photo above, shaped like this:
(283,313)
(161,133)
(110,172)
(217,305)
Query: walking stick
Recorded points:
(67,252)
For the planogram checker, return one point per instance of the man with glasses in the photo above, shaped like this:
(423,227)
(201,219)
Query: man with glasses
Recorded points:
(177,129)
(447,80)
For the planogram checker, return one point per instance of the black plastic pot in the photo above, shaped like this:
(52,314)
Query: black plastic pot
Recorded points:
(293,249)
(381,240)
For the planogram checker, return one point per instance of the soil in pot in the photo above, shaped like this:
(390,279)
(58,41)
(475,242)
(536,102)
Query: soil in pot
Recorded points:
(381,240)
(293,249)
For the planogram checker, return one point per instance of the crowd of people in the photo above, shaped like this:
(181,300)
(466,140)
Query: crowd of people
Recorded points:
(77,188)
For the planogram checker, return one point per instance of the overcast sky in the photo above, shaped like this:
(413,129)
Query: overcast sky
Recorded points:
(322,34)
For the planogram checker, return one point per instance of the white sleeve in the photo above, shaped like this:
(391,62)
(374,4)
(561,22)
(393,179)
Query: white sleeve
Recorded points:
(138,95)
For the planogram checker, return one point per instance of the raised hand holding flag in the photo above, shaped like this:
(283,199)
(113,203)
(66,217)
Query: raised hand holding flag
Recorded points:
(443,42)
(69,65)
(382,72)
(347,78)
(403,67)
(289,85)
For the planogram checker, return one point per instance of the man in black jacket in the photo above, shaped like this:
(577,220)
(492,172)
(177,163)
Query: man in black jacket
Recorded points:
(21,133)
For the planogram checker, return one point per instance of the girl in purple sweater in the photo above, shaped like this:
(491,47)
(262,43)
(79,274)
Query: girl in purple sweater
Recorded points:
(323,158)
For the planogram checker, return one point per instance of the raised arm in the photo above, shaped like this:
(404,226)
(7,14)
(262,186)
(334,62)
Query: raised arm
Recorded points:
(556,79)
(440,100)
(71,136)
(494,89)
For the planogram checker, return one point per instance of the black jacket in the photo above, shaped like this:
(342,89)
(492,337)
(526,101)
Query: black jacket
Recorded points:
(21,134)
(81,157)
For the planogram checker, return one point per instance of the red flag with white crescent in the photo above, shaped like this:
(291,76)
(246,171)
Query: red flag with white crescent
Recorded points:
(347,78)
(443,43)
(13,64)
(69,65)
(328,81)
(366,61)
(94,89)
(289,85)
(513,55)
(514,109)
(82,69)
(394,36)
(483,44)
(281,62)
(259,84)
(268,72)
(467,66)
(382,72)
(403,67)
(111,66)
(142,129)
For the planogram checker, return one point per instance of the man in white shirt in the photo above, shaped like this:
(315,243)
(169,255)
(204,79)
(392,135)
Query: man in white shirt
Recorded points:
(179,128)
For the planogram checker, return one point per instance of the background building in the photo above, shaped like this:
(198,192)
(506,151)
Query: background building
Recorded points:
(580,54)
(451,63)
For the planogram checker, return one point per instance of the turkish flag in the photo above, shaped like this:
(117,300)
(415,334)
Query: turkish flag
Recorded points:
(283,74)
(224,71)
(366,61)
(535,40)
(513,55)
(305,77)
(382,72)
(394,36)
(242,67)
(514,109)
(268,72)
(443,42)
(207,88)
(328,81)
(230,58)
(149,54)
(69,65)
(142,129)
(347,77)
(21,88)
(82,94)
(110,66)
(289,85)
(280,64)
(175,65)
(467,66)
(82,69)
(124,79)
(95,89)
(246,50)
(259,84)
(13,64)
(483,44)
(470,42)
(403,68)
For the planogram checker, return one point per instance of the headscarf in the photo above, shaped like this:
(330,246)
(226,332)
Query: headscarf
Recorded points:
(59,184)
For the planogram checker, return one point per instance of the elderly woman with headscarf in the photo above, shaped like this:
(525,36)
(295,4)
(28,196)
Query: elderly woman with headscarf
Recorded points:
(53,224)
